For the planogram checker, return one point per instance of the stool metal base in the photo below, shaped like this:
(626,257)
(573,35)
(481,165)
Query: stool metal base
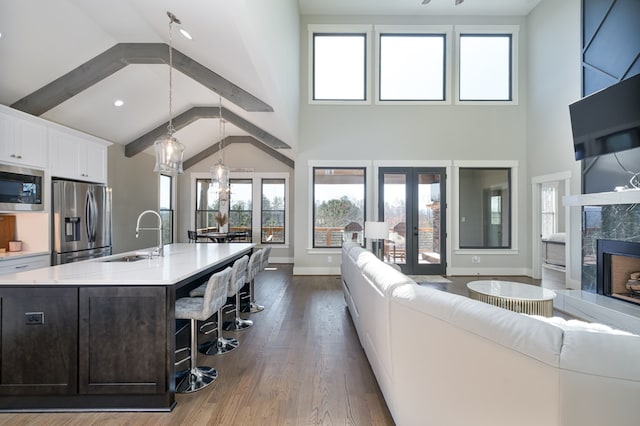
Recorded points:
(195,379)
(253,308)
(219,346)
(238,325)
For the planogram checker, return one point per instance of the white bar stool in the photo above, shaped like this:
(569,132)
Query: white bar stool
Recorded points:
(199,309)
(256,264)
(238,279)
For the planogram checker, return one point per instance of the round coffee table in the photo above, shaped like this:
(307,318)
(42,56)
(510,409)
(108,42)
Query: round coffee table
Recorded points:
(517,297)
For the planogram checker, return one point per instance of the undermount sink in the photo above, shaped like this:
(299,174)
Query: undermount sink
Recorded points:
(128,258)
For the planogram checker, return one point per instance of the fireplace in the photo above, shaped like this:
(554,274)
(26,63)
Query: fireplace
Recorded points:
(618,269)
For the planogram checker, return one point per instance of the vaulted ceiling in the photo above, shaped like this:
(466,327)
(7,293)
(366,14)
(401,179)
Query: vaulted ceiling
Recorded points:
(69,60)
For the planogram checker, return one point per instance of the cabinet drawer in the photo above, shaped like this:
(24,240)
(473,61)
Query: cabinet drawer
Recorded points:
(23,264)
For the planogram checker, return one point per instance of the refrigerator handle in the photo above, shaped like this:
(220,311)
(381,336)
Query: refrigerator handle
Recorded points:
(90,216)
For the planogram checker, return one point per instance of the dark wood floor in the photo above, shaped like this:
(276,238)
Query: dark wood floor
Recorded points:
(300,364)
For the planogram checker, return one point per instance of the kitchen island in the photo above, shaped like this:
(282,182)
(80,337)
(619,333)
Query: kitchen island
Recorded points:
(99,335)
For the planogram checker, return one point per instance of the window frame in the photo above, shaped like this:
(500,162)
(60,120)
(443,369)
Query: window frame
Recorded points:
(489,30)
(408,30)
(514,216)
(262,210)
(195,211)
(171,210)
(230,224)
(313,29)
(342,166)
(256,216)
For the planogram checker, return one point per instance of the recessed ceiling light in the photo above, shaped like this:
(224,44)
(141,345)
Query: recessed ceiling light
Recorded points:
(118,102)
(186,34)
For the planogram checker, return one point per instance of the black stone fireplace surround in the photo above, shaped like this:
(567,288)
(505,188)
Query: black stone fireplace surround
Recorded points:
(614,262)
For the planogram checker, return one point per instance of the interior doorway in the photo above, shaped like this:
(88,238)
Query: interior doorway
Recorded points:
(413,204)
(550,223)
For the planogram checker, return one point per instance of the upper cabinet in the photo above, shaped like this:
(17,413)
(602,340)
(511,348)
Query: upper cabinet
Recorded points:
(31,141)
(22,141)
(77,157)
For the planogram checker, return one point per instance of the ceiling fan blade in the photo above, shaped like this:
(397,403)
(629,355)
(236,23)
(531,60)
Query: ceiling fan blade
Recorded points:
(425,1)
(459,2)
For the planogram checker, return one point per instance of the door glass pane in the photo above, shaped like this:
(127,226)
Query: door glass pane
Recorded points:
(395,214)
(428,218)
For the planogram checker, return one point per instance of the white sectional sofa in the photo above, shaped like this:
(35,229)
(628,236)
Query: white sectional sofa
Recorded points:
(443,359)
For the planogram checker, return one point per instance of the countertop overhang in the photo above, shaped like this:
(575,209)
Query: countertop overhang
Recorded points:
(180,262)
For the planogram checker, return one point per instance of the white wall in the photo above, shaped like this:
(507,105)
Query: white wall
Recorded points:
(134,190)
(410,133)
(554,83)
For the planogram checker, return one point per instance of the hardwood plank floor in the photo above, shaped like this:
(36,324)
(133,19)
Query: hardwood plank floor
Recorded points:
(300,364)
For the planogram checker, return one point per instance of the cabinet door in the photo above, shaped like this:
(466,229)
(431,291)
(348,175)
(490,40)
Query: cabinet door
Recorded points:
(24,142)
(96,162)
(123,340)
(65,156)
(39,341)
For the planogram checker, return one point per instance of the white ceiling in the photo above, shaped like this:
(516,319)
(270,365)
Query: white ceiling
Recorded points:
(253,44)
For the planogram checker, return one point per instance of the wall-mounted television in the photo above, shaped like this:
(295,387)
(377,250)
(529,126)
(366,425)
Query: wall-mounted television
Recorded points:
(607,121)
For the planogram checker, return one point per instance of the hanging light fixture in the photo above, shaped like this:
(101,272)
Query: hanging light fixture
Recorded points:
(220,172)
(169,151)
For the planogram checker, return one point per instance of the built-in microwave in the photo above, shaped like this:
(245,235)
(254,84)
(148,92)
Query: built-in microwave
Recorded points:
(21,188)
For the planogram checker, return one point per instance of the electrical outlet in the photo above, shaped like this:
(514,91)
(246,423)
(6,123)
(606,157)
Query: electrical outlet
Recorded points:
(34,318)
(329,259)
(475,259)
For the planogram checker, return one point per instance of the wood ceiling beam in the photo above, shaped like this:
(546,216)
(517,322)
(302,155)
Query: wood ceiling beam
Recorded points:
(118,57)
(202,155)
(196,113)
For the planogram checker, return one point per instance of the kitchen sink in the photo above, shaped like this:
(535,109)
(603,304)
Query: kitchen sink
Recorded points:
(128,258)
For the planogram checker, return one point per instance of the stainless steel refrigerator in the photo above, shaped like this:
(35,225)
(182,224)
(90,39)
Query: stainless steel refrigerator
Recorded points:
(81,221)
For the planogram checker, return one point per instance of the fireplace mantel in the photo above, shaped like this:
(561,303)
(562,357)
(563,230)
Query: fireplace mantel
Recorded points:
(629,196)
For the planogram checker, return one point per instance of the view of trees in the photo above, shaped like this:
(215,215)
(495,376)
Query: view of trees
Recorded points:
(337,213)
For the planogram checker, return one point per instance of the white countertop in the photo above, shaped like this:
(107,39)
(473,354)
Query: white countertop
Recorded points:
(180,261)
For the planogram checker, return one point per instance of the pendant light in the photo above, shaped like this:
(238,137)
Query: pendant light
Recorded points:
(169,151)
(220,172)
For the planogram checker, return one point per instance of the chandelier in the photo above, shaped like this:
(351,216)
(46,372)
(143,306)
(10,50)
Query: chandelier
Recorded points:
(220,172)
(169,151)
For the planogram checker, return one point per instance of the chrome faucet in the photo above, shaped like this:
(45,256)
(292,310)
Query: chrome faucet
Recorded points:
(159,229)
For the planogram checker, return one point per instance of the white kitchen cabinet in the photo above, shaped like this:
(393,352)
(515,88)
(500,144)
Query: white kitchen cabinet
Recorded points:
(10,266)
(24,142)
(77,157)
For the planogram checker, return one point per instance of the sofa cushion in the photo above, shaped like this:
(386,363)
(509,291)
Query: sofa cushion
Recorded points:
(510,329)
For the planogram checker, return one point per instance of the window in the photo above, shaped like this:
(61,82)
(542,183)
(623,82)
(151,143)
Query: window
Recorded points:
(485,208)
(412,67)
(207,205)
(549,207)
(339,64)
(338,201)
(273,211)
(241,205)
(486,67)
(166,208)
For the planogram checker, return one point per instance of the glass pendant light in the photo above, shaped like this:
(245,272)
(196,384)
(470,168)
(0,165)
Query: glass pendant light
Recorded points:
(220,172)
(169,151)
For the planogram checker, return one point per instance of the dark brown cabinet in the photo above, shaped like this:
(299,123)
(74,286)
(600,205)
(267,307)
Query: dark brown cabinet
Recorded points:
(86,347)
(38,350)
(122,335)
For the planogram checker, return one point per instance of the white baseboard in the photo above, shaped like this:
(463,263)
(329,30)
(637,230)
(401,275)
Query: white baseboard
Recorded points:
(489,271)
(323,270)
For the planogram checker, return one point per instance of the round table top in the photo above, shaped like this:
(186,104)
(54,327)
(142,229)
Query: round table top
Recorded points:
(511,290)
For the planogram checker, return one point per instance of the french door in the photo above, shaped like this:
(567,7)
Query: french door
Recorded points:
(413,203)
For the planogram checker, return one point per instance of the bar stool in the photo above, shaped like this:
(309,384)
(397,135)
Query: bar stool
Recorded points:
(256,264)
(199,309)
(220,345)
(238,279)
